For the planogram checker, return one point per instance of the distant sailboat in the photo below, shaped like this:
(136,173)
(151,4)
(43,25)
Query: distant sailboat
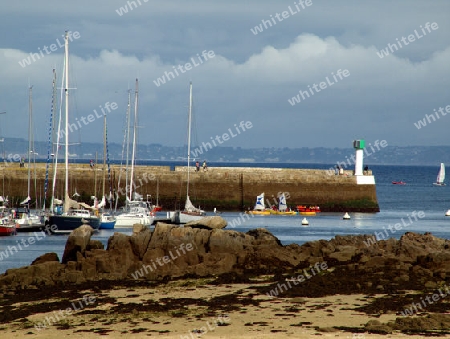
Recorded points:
(441,176)
(190,212)
(27,221)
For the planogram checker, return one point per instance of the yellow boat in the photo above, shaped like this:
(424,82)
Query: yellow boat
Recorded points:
(274,212)
(288,213)
(259,212)
(282,206)
(260,208)
(307,213)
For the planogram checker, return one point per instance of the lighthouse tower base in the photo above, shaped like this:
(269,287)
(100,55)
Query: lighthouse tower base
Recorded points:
(365,179)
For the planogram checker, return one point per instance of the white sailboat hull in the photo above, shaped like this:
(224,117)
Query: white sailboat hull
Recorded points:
(180,217)
(128,220)
(28,220)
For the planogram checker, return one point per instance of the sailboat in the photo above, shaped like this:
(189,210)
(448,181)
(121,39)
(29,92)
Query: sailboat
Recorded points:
(282,206)
(190,212)
(73,216)
(7,226)
(138,211)
(260,207)
(27,221)
(441,176)
(107,219)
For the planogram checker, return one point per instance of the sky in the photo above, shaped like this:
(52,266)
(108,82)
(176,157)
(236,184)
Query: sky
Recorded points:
(247,60)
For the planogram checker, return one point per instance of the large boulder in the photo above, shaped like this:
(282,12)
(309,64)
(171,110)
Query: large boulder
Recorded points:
(77,242)
(45,258)
(213,222)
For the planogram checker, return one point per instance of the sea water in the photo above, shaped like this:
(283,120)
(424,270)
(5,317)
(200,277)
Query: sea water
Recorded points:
(417,206)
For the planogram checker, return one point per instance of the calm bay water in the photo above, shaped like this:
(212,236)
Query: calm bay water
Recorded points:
(396,203)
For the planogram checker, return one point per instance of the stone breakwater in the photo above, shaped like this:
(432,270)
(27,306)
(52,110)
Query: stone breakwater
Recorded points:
(224,188)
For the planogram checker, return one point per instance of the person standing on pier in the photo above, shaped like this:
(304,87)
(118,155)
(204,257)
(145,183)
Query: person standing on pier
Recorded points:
(205,167)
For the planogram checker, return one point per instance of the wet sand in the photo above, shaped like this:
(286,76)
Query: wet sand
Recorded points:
(185,309)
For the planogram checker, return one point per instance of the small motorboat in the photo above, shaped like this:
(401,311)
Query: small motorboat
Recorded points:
(107,221)
(7,227)
(308,210)
(399,183)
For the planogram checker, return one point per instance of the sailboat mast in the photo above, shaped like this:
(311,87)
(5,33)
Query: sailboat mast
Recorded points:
(157,191)
(30,119)
(189,138)
(133,154)
(110,198)
(58,133)
(104,153)
(128,144)
(95,174)
(125,149)
(66,89)
(3,153)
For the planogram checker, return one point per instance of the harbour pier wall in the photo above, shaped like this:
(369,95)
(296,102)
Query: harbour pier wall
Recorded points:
(224,188)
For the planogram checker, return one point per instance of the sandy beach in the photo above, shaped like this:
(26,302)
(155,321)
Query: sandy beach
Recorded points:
(187,308)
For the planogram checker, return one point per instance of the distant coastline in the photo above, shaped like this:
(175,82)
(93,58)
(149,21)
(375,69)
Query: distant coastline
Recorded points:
(157,153)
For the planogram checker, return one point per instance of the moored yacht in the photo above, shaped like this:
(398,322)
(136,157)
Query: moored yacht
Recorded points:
(138,213)
(67,222)
(73,215)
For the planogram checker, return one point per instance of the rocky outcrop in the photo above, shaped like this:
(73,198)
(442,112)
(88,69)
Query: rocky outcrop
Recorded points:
(359,262)
(430,324)
(168,251)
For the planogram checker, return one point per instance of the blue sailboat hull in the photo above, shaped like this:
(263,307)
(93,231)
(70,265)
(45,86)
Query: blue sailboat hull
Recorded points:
(107,225)
(67,223)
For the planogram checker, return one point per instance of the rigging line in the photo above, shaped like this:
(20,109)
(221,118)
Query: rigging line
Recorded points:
(50,133)
(109,166)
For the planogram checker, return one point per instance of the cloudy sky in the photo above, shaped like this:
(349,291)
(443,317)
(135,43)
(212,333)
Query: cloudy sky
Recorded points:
(253,76)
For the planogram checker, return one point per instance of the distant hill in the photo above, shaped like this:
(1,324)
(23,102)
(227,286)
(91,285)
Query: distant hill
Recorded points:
(389,155)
